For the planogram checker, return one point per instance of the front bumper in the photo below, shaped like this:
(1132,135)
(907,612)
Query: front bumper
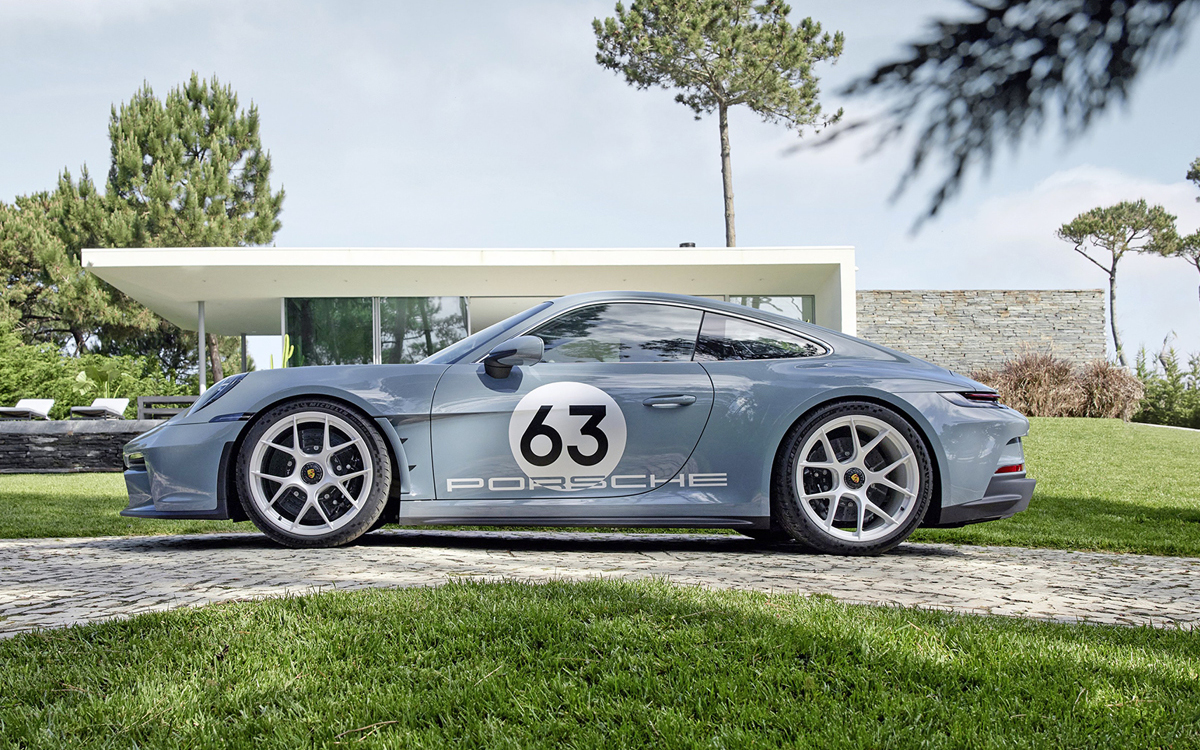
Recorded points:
(179,470)
(1005,496)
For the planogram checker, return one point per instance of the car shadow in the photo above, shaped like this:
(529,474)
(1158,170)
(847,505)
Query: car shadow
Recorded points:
(550,540)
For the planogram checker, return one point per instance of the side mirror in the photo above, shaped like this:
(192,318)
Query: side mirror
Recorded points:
(523,350)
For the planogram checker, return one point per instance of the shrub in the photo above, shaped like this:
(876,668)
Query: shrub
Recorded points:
(1109,391)
(1037,385)
(40,371)
(1172,394)
(1042,385)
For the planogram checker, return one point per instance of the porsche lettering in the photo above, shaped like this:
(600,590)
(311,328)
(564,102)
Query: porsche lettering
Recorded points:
(577,483)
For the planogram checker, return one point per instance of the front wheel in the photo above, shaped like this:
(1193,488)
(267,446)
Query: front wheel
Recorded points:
(313,473)
(855,478)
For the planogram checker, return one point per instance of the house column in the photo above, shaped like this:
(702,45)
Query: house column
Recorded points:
(283,337)
(203,360)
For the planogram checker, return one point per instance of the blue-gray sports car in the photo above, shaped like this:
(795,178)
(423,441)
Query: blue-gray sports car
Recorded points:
(600,409)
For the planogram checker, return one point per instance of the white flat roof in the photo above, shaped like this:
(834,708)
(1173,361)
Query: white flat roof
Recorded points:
(242,286)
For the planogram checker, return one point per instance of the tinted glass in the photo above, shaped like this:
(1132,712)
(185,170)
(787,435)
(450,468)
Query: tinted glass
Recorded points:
(801,307)
(412,328)
(330,331)
(724,338)
(455,352)
(622,332)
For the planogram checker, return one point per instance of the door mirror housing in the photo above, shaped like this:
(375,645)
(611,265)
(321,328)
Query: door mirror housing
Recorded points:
(523,350)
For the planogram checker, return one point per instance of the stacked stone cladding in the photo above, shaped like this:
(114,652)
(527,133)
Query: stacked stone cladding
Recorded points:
(67,446)
(966,330)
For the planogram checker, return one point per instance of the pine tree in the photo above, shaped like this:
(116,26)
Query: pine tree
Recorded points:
(190,171)
(48,295)
(722,54)
(1117,230)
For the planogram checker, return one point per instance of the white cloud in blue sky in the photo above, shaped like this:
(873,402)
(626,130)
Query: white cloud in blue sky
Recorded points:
(489,124)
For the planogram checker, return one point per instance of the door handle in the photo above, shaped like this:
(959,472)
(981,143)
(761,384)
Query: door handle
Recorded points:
(670,402)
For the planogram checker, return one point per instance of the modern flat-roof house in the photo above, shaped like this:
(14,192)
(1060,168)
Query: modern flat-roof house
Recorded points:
(362,305)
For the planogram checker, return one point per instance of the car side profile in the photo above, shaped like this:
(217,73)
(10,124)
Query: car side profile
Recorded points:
(600,409)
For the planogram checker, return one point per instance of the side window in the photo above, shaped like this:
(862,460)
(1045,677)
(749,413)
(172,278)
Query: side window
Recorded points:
(621,332)
(723,338)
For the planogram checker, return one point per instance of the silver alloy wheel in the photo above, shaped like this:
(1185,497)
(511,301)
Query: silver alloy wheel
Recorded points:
(310,474)
(857,478)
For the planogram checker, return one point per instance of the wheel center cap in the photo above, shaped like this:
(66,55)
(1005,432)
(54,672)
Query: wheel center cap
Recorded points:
(311,473)
(855,478)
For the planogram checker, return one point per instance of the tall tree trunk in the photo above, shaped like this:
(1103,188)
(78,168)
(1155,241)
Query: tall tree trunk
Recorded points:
(214,357)
(79,341)
(727,175)
(425,316)
(1197,261)
(399,331)
(1112,315)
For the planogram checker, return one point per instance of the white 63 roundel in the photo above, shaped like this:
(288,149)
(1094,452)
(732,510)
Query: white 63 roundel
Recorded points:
(569,436)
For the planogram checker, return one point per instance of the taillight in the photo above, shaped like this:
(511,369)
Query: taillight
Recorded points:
(973,398)
(1011,469)
(982,397)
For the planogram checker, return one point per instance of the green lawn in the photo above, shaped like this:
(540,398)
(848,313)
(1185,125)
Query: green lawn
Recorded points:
(47,505)
(1102,484)
(596,664)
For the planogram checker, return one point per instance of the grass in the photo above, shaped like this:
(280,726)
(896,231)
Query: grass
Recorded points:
(595,664)
(69,505)
(1103,484)
(61,505)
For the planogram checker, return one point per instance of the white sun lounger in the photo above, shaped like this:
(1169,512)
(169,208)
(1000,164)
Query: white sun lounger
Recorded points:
(28,408)
(102,408)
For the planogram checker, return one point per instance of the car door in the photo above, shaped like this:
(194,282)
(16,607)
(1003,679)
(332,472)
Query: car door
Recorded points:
(614,409)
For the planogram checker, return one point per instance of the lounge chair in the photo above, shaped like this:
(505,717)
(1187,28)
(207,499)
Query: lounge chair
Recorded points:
(163,407)
(28,408)
(101,408)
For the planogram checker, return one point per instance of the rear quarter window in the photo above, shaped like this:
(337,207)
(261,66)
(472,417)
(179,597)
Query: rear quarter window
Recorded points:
(723,338)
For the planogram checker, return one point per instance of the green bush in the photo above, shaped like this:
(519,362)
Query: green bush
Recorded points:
(40,371)
(1172,393)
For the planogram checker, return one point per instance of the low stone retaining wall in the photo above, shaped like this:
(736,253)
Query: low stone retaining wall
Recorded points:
(67,446)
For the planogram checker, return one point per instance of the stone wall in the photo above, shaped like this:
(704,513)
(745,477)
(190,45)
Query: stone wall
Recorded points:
(67,446)
(965,330)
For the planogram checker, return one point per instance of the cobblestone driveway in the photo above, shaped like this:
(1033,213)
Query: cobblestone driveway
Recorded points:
(54,582)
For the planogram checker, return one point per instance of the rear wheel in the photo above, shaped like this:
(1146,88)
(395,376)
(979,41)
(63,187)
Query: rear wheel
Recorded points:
(313,473)
(767,536)
(855,478)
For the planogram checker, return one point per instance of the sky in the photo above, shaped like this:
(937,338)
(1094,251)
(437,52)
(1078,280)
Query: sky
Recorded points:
(484,124)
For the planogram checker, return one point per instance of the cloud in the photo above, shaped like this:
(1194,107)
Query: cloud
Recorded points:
(32,13)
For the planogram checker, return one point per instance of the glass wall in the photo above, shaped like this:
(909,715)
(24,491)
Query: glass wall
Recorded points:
(330,331)
(362,330)
(801,307)
(412,328)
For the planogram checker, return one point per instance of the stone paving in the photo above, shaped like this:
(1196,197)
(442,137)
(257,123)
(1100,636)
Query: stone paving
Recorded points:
(55,582)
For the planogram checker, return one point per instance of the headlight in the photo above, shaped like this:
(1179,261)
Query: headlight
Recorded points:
(218,390)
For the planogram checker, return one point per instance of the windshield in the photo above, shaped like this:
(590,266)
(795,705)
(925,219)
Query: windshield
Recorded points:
(456,351)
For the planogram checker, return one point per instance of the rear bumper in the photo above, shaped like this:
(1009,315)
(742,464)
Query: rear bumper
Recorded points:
(1005,496)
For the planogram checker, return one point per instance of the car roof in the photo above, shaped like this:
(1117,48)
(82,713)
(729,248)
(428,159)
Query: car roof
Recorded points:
(576,300)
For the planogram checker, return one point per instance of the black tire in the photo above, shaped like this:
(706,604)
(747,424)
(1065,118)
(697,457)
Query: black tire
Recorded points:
(767,536)
(904,507)
(379,523)
(348,508)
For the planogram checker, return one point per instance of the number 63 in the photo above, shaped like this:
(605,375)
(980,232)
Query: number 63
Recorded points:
(590,428)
